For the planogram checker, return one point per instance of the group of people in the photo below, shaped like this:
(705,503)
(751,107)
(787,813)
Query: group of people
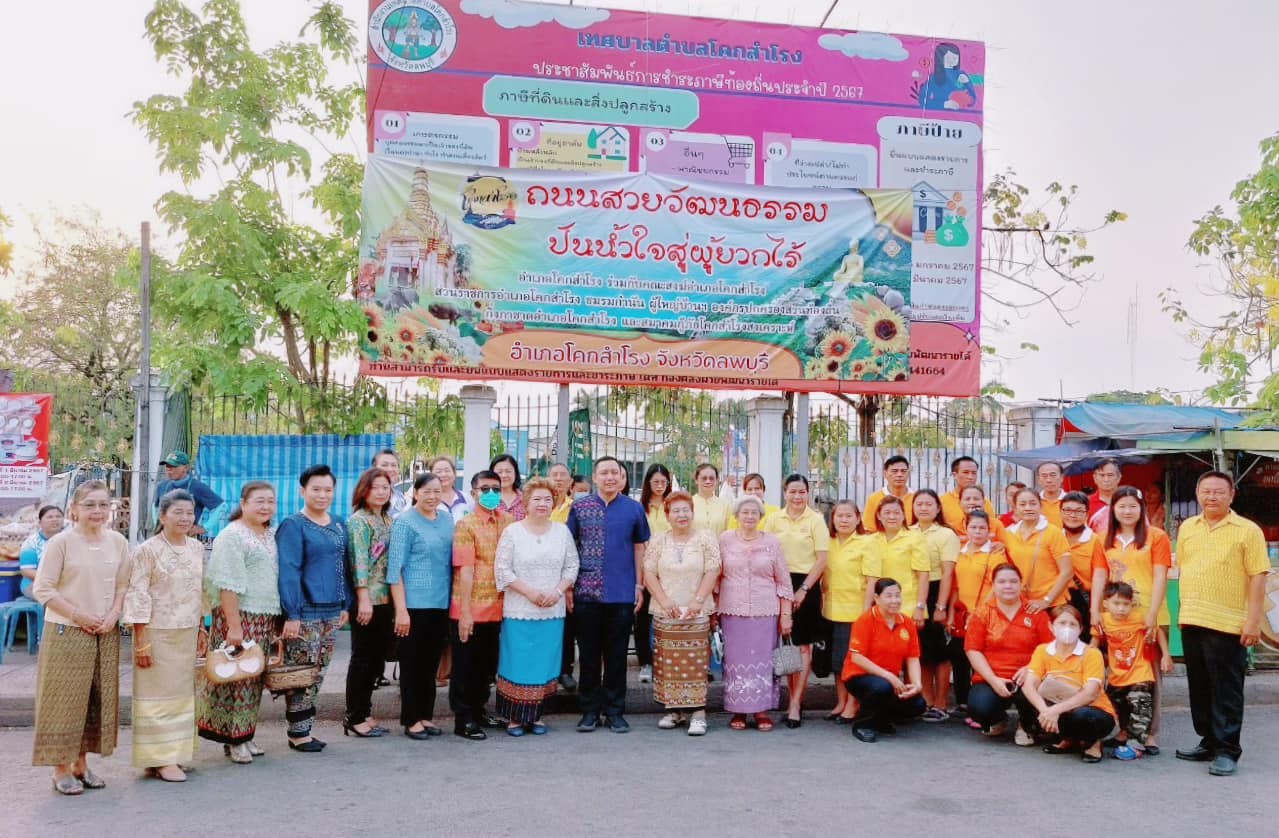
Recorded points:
(912,594)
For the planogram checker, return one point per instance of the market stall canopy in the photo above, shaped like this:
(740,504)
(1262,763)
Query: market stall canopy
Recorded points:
(1166,423)
(1078,456)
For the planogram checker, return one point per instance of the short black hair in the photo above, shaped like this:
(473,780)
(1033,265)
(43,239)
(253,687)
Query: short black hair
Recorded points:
(175,496)
(46,509)
(484,474)
(1109,461)
(507,458)
(794,478)
(1076,497)
(321,470)
(581,478)
(383,452)
(608,459)
(1049,463)
(964,458)
(1120,589)
(1214,474)
(894,460)
(883,583)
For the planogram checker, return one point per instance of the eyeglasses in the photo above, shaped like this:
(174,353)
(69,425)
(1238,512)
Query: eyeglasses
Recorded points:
(1065,510)
(490,490)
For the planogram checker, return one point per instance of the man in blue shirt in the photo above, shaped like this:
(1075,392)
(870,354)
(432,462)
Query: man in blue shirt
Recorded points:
(177,466)
(611,530)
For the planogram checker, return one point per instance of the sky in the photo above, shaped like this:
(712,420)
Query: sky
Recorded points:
(1153,108)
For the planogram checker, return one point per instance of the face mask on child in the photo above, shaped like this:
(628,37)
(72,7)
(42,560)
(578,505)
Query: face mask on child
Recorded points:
(1066,635)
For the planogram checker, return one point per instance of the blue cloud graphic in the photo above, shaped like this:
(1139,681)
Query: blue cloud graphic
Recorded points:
(873,46)
(511,14)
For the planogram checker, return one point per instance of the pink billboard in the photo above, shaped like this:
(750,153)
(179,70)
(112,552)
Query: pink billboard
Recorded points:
(496,84)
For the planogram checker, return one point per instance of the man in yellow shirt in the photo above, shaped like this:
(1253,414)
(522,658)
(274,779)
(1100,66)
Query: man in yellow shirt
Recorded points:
(1049,476)
(964,471)
(562,480)
(897,484)
(1223,562)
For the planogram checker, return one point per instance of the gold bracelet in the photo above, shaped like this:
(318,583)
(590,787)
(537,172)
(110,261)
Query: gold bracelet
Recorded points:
(140,649)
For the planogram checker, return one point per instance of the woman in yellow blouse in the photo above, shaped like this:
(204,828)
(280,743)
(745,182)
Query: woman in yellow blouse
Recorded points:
(657,485)
(753,484)
(843,589)
(805,541)
(710,511)
(943,550)
(897,553)
(1040,552)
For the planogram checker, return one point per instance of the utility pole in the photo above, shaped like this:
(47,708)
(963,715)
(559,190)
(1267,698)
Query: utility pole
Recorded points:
(142,439)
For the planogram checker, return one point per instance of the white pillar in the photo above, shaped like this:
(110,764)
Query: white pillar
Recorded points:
(1036,426)
(801,434)
(565,407)
(477,401)
(764,443)
(143,502)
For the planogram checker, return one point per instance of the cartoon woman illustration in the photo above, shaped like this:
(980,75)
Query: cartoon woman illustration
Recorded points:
(948,87)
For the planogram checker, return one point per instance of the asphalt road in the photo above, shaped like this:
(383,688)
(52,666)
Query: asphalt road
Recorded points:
(815,781)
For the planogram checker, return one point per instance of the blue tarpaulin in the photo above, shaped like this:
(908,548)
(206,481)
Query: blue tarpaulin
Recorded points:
(1169,423)
(1078,456)
(225,463)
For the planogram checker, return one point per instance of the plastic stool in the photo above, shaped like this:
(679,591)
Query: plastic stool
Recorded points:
(10,614)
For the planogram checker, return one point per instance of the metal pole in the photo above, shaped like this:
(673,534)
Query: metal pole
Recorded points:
(562,454)
(801,434)
(142,440)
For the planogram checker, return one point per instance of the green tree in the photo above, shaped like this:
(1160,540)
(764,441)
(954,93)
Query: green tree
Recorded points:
(6,247)
(1243,249)
(1153,397)
(259,287)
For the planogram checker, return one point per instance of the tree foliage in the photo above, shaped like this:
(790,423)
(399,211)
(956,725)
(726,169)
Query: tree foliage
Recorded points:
(6,246)
(1242,247)
(259,289)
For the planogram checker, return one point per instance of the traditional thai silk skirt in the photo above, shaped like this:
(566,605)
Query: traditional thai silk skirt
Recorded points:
(528,664)
(681,655)
(164,700)
(77,694)
(228,713)
(749,684)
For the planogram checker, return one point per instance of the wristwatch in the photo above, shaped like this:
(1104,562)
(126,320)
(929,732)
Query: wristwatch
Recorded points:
(921,606)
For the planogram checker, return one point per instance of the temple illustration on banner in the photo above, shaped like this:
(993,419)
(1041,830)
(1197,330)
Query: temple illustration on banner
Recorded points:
(415,253)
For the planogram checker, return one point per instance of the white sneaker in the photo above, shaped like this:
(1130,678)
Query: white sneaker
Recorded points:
(646,675)
(1023,738)
(697,727)
(670,721)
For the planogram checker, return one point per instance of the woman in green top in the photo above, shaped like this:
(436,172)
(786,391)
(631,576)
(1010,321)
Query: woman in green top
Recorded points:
(369,529)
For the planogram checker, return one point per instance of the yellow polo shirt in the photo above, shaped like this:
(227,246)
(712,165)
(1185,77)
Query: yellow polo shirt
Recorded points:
(900,558)
(843,583)
(870,525)
(560,513)
(802,539)
(1216,563)
(1050,508)
(954,514)
(769,509)
(657,520)
(943,546)
(711,515)
(1036,557)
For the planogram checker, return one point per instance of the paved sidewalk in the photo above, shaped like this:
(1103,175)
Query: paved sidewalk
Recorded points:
(18,679)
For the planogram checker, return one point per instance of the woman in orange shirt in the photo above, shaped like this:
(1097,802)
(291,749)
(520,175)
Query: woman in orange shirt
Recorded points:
(883,642)
(1040,552)
(1140,555)
(973,499)
(1064,693)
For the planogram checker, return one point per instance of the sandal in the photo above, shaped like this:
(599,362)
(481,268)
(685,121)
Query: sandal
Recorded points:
(1091,759)
(90,780)
(67,784)
(671,721)
(763,722)
(738,723)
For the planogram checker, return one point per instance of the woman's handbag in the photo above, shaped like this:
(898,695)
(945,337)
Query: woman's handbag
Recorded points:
(284,677)
(787,659)
(228,664)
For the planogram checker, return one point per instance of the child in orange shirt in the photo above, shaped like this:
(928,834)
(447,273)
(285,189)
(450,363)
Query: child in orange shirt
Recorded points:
(1130,659)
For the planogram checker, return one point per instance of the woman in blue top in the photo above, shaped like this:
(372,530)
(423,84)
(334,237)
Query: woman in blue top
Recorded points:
(948,87)
(314,594)
(51,523)
(420,572)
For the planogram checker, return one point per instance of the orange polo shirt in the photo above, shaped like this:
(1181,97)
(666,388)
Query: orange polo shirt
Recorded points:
(973,570)
(1130,657)
(954,514)
(1136,566)
(1007,644)
(889,646)
(1086,555)
(1078,666)
(870,525)
(1036,557)
(1050,509)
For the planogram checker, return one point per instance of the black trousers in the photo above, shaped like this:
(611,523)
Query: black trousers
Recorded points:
(1083,724)
(419,655)
(474,668)
(603,634)
(368,660)
(988,709)
(879,704)
(644,633)
(961,670)
(569,655)
(1215,666)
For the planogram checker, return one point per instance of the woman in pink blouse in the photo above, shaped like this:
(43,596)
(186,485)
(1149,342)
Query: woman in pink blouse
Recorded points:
(754,608)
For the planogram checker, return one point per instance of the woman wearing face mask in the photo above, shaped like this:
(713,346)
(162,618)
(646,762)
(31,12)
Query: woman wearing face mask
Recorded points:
(753,484)
(1140,555)
(1040,552)
(314,594)
(681,568)
(974,568)
(843,594)
(883,643)
(165,607)
(710,511)
(1063,690)
(508,471)
(1002,636)
(942,545)
(805,541)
